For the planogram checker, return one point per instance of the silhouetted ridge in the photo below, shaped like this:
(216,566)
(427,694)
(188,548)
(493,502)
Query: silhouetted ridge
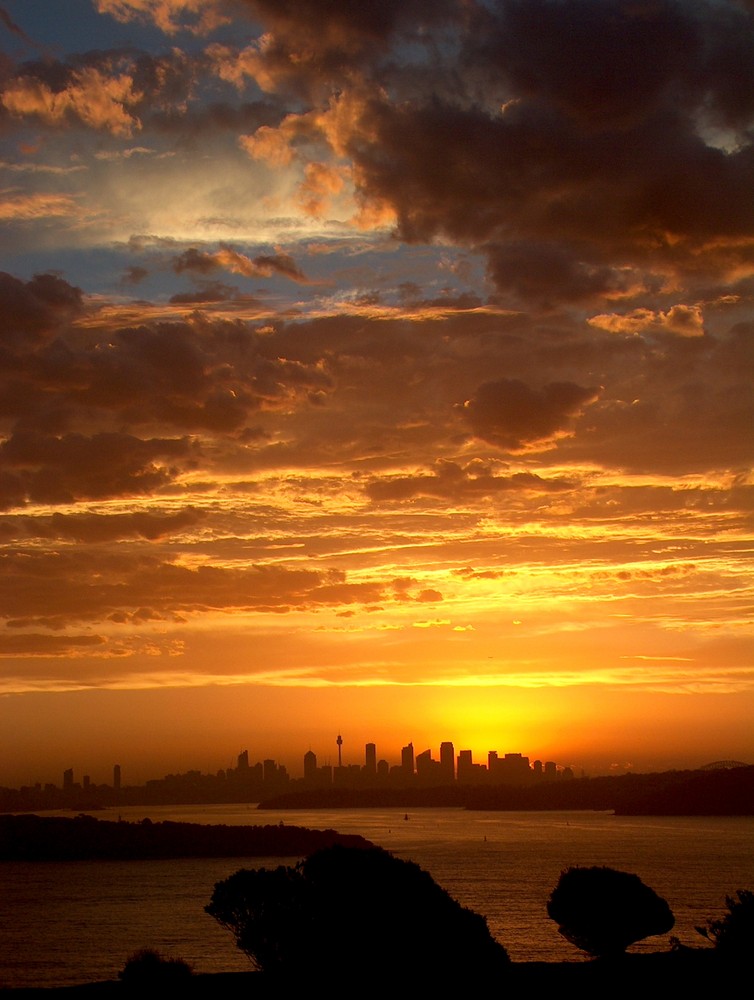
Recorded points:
(54,838)
(667,793)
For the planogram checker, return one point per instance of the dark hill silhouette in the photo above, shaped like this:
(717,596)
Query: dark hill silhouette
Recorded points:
(55,838)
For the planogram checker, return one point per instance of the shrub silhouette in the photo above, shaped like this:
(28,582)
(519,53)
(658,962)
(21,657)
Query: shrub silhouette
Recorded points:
(346,911)
(603,911)
(733,934)
(148,967)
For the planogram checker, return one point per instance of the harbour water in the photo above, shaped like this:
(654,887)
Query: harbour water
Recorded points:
(75,922)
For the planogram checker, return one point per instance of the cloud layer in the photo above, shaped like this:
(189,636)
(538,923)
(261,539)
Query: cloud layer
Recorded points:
(386,336)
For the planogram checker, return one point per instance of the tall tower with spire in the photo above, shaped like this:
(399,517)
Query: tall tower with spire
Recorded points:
(339,741)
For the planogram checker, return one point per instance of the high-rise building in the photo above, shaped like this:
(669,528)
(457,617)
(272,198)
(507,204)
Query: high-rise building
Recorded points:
(243,761)
(370,760)
(407,760)
(269,770)
(310,766)
(68,779)
(465,768)
(447,762)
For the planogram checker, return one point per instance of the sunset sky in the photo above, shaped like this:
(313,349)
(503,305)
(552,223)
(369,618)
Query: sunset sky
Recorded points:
(382,368)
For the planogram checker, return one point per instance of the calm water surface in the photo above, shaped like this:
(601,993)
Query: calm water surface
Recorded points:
(66,923)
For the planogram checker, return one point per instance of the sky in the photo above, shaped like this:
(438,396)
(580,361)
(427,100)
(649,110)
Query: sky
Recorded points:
(382,369)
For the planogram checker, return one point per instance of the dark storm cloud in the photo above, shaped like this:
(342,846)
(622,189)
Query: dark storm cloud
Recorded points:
(37,308)
(217,116)
(62,468)
(68,394)
(601,147)
(626,197)
(134,275)
(512,415)
(195,260)
(310,44)
(547,274)
(211,291)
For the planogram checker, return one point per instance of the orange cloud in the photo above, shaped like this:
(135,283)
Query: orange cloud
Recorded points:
(97,100)
(23,207)
(171,16)
(681,320)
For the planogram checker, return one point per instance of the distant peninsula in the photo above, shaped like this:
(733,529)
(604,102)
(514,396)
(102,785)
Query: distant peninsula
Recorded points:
(55,838)
(727,792)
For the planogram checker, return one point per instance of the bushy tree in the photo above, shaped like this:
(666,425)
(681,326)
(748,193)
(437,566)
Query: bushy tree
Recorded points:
(733,934)
(346,912)
(603,911)
(149,968)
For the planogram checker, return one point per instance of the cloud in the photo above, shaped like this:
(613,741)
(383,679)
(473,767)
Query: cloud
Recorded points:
(171,16)
(226,258)
(134,275)
(510,414)
(211,291)
(456,483)
(550,274)
(38,308)
(36,644)
(591,151)
(680,320)
(90,528)
(44,468)
(308,47)
(95,99)
(17,207)
(107,586)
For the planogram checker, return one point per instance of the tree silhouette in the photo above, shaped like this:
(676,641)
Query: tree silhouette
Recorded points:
(603,911)
(733,934)
(345,912)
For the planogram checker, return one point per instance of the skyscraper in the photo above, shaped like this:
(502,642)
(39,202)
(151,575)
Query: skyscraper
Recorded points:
(370,760)
(447,762)
(407,760)
(310,765)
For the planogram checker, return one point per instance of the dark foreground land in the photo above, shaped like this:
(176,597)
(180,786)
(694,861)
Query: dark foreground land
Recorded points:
(695,972)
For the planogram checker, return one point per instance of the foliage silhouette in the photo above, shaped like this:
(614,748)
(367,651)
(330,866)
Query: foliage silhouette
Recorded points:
(733,934)
(149,968)
(345,911)
(603,911)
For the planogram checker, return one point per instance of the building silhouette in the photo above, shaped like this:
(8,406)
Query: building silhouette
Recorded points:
(370,760)
(407,760)
(447,762)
